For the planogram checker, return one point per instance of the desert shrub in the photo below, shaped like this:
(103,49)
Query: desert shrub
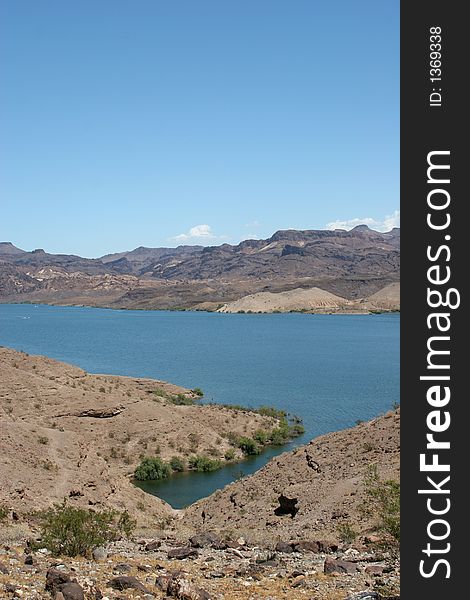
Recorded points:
(261,436)
(42,439)
(76,531)
(204,464)
(3,512)
(346,532)
(152,467)
(177,463)
(270,411)
(248,446)
(382,502)
(296,430)
(182,400)
(279,436)
(198,392)
(230,454)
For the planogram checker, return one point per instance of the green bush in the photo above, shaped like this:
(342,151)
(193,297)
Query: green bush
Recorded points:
(230,454)
(204,464)
(182,400)
(279,436)
(382,502)
(270,411)
(177,463)
(151,468)
(248,446)
(76,531)
(198,392)
(261,436)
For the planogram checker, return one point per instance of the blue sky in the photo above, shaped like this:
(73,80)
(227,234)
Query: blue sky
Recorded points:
(152,122)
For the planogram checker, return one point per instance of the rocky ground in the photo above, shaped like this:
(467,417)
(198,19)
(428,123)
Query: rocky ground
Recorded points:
(205,567)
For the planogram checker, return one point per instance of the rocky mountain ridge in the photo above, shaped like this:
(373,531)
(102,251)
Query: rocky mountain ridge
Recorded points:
(351,264)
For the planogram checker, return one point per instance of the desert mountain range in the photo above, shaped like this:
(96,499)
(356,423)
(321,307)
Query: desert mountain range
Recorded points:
(355,267)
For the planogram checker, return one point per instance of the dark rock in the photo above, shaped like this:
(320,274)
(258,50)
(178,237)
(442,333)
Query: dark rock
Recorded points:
(71,591)
(207,539)
(180,553)
(306,546)
(299,582)
(29,560)
(144,568)
(374,569)
(4,569)
(153,545)
(284,547)
(336,565)
(10,588)
(122,568)
(54,579)
(124,582)
(287,506)
(162,582)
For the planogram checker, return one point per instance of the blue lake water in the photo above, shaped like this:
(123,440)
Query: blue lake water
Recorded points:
(330,370)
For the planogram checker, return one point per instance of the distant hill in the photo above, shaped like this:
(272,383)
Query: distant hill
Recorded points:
(350,264)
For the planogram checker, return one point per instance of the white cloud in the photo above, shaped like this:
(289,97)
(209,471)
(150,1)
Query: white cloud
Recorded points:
(198,232)
(386,224)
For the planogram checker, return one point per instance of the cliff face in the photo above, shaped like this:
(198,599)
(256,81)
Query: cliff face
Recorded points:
(351,264)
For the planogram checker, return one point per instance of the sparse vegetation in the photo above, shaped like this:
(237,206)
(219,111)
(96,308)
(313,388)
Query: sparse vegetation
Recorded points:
(75,531)
(3,512)
(382,502)
(347,533)
(248,446)
(152,468)
(203,464)
(177,464)
(42,439)
(230,454)
(182,400)
(198,392)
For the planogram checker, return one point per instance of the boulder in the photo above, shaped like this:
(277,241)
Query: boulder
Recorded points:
(125,582)
(284,547)
(54,579)
(71,591)
(336,565)
(153,545)
(180,553)
(100,553)
(207,539)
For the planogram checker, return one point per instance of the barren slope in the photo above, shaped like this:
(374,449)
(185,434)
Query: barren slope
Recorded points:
(66,433)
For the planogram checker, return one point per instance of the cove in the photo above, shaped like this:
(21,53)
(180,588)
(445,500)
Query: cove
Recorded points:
(330,370)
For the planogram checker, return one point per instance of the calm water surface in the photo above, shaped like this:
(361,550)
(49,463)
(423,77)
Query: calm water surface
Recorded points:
(330,370)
